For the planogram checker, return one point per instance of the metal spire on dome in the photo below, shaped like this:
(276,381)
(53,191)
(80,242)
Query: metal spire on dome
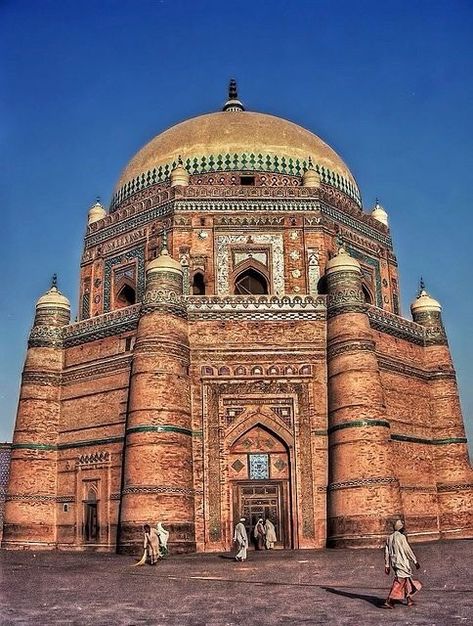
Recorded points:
(164,244)
(233,104)
(54,281)
(232,90)
(421,286)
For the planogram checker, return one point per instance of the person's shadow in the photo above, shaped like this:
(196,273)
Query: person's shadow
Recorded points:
(374,600)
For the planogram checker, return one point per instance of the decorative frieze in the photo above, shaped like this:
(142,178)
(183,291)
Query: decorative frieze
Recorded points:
(363,482)
(41,378)
(249,220)
(454,487)
(164,299)
(395,325)
(257,307)
(45,337)
(279,164)
(169,490)
(274,370)
(100,326)
(350,345)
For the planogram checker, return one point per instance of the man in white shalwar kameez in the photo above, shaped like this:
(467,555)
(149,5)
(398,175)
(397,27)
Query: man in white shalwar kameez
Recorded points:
(241,539)
(270,534)
(398,554)
(163,535)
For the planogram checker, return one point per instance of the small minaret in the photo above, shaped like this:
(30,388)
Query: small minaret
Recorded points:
(158,478)
(233,103)
(379,213)
(30,511)
(454,474)
(179,175)
(96,212)
(363,492)
(310,177)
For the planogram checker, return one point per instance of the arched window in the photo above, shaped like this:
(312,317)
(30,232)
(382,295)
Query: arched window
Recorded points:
(322,285)
(367,294)
(90,523)
(126,296)
(251,282)
(198,284)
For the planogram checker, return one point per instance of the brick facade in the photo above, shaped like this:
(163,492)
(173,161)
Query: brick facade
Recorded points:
(314,403)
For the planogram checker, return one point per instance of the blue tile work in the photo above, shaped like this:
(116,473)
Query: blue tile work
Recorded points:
(369,260)
(137,254)
(259,466)
(236,162)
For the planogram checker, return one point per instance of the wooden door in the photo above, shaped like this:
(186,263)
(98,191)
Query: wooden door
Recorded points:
(257,500)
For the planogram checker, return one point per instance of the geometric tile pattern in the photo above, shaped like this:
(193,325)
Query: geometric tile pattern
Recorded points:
(259,466)
(236,162)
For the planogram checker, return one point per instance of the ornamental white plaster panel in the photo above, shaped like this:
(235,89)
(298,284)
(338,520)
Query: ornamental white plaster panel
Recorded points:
(243,255)
(224,243)
(314,269)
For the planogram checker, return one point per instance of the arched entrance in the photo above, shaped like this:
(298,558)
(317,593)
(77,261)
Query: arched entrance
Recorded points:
(90,529)
(259,471)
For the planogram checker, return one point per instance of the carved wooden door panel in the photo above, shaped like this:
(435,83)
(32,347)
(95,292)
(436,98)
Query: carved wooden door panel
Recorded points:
(261,500)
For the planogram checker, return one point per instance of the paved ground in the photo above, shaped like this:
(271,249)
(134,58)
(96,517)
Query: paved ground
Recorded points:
(303,587)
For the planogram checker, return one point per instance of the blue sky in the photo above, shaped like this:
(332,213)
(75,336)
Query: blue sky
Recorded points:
(85,84)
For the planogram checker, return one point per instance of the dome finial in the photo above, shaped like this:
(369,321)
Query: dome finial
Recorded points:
(232,90)
(164,244)
(421,286)
(233,104)
(54,281)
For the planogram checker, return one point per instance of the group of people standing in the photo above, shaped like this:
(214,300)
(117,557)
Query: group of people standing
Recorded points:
(264,535)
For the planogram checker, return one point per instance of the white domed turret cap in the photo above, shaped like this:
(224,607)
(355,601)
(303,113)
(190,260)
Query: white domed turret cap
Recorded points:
(96,212)
(53,298)
(379,213)
(164,262)
(424,302)
(310,177)
(179,175)
(342,261)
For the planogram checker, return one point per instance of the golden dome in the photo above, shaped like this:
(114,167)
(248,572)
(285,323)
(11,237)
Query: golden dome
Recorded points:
(53,298)
(205,141)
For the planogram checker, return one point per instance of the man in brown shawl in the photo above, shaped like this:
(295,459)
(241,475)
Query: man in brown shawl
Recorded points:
(398,554)
(151,544)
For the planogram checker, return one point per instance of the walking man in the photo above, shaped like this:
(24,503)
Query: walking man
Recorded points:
(398,554)
(241,539)
(270,534)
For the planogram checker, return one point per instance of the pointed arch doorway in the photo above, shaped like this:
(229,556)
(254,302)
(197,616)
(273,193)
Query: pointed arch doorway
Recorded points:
(259,472)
